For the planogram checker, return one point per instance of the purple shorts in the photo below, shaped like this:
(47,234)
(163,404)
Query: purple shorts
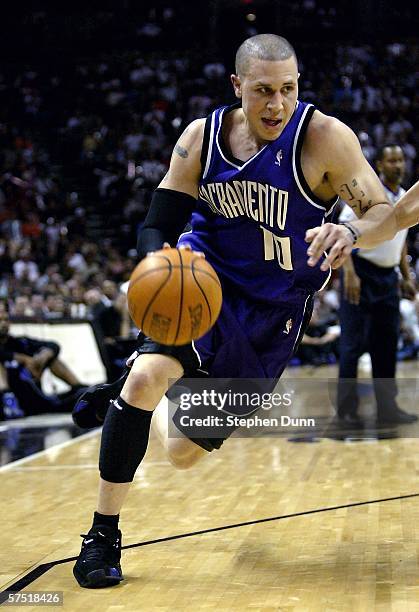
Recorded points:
(249,339)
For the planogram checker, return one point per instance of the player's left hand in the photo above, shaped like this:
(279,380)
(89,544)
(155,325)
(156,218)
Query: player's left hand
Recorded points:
(337,238)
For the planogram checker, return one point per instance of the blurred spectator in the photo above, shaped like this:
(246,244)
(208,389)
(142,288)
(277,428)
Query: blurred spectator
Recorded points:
(22,307)
(25,268)
(408,347)
(103,313)
(319,345)
(106,321)
(38,307)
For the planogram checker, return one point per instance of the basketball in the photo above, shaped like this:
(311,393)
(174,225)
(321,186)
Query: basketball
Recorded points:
(174,296)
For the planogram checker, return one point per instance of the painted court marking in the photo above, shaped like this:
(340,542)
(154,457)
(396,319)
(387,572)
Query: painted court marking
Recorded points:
(45,567)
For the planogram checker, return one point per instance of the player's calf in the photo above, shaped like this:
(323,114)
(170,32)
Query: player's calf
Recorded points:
(180,451)
(183,453)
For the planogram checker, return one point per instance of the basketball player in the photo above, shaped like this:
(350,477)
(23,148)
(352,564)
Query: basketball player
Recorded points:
(22,363)
(252,179)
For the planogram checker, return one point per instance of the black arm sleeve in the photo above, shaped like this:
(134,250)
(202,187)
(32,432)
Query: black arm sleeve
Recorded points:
(169,212)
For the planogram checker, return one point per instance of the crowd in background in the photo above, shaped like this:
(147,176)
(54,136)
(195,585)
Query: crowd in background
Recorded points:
(83,143)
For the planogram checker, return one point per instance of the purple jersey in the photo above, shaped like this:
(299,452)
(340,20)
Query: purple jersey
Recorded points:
(251,217)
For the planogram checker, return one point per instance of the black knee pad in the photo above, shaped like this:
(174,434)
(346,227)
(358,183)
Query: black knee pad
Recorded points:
(124,441)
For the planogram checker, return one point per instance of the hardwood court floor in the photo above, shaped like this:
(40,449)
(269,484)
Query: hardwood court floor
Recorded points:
(362,554)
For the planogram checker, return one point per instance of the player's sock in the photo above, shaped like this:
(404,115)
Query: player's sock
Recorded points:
(124,442)
(111,520)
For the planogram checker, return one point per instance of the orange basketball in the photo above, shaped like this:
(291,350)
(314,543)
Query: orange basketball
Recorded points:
(174,296)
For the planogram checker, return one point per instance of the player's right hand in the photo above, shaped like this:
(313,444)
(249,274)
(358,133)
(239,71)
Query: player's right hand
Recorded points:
(187,247)
(337,238)
(166,245)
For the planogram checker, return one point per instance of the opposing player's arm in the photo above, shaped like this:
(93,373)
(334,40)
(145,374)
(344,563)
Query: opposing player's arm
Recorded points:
(353,179)
(407,209)
(175,198)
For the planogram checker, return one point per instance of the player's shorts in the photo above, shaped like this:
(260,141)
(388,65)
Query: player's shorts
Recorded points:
(249,340)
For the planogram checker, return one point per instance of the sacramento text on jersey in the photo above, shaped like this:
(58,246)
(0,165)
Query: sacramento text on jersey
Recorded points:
(258,201)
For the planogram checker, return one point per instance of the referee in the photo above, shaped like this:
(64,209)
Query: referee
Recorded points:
(369,311)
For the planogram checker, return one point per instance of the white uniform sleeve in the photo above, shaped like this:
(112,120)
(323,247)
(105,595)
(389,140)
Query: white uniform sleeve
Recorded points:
(347,214)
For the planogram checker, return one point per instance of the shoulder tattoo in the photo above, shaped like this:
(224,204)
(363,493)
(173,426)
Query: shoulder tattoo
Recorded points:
(181,151)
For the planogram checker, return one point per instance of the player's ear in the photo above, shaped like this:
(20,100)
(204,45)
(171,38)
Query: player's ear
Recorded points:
(235,79)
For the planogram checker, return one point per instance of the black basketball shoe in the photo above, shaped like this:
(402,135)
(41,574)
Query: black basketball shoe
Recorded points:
(91,407)
(98,564)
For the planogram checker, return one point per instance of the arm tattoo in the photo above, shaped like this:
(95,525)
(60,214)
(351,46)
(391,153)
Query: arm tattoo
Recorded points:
(181,151)
(354,195)
(355,184)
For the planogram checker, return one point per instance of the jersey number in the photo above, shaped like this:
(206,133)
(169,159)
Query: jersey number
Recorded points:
(281,247)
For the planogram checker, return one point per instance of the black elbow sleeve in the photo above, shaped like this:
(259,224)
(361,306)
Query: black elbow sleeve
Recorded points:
(169,212)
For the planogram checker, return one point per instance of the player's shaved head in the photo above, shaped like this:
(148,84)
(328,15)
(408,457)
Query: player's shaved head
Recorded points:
(264,47)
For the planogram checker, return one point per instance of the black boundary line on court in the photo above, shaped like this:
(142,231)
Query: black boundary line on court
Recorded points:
(45,567)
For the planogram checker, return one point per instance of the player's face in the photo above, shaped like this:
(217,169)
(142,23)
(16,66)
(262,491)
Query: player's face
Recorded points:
(269,92)
(392,166)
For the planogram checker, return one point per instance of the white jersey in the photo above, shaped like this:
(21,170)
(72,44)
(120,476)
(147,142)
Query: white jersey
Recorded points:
(388,253)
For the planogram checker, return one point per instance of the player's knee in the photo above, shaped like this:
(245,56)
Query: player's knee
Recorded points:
(144,388)
(183,454)
(145,380)
(149,379)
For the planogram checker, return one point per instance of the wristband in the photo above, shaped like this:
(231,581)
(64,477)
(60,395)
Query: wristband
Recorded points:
(354,231)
